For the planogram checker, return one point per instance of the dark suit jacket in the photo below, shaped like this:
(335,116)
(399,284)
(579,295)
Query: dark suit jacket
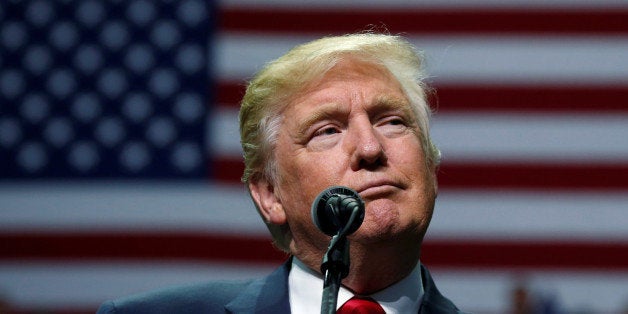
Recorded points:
(264,295)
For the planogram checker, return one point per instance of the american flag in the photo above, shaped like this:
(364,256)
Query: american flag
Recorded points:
(120,157)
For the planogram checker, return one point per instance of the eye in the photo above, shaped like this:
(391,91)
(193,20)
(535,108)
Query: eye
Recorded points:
(326,131)
(396,121)
(393,120)
(393,125)
(324,137)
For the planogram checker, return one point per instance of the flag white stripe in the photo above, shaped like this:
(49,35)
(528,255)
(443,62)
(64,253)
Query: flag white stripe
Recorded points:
(534,215)
(602,292)
(479,59)
(128,206)
(532,137)
(61,284)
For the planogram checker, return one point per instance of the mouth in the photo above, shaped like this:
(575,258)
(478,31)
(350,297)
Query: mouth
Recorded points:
(378,189)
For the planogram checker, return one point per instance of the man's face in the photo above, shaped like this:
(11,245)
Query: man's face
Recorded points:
(354,128)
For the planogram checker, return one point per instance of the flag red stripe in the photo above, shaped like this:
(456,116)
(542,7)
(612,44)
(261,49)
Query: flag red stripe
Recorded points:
(531,98)
(506,98)
(141,246)
(215,247)
(35,309)
(426,21)
(227,170)
(497,175)
(551,254)
(534,176)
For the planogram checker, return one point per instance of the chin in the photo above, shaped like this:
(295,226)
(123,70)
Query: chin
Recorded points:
(382,212)
(378,228)
(385,222)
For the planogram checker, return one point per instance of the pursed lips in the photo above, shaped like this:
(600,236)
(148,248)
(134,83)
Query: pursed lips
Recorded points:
(376,188)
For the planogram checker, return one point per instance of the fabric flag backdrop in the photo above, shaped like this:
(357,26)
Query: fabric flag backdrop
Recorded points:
(120,159)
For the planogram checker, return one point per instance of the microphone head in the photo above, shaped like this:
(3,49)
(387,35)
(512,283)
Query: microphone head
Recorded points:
(333,208)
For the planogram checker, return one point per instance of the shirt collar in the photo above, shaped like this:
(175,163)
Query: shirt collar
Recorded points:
(306,290)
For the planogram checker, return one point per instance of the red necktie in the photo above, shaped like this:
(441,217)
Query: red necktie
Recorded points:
(361,305)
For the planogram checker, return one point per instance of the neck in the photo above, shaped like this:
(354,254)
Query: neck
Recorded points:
(373,266)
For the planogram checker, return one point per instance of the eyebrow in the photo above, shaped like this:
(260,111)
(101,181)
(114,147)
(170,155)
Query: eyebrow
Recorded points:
(386,102)
(324,111)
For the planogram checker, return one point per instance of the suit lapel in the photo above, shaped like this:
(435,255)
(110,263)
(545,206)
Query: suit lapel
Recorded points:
(433,301)
(270,295)
(264,295)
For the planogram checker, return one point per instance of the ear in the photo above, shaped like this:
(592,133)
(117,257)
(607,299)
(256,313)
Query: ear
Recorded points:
(269,205)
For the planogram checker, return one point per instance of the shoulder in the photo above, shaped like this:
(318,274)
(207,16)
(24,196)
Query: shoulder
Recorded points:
(433,301)
(198,298)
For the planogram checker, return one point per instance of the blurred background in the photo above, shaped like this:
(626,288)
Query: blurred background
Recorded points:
(120,157)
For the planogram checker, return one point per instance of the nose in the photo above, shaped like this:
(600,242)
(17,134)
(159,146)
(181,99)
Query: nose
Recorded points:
(366,149)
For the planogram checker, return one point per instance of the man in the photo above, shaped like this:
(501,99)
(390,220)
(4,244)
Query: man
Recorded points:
(351,111)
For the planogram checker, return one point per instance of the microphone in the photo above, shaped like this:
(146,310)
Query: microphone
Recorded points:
(338,210)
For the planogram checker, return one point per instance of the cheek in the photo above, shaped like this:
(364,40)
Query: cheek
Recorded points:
(411,157)
(312,171)
(299,182)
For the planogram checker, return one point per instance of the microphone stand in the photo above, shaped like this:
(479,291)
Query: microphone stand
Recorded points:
(335,266)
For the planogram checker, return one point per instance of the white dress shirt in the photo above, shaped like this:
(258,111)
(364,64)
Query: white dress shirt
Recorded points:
(305,288)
